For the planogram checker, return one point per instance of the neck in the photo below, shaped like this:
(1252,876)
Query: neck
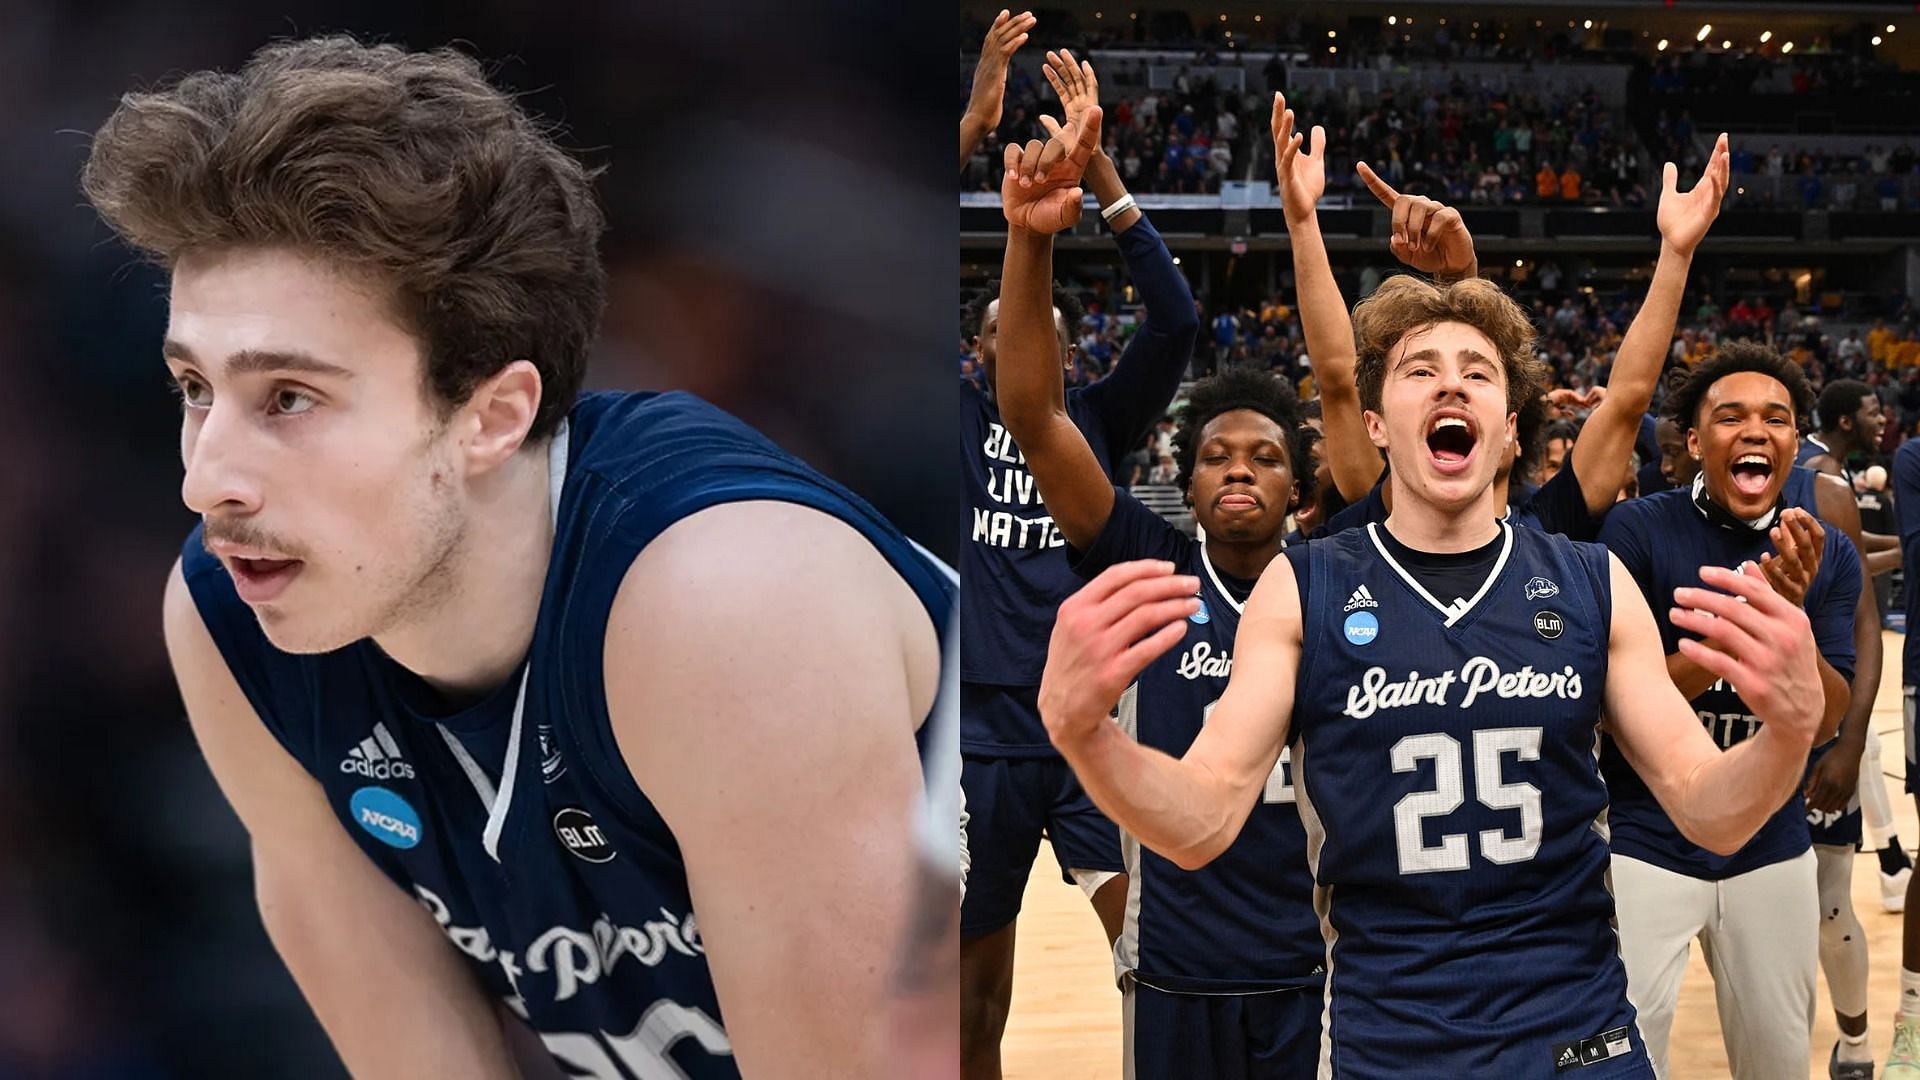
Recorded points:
(1423,526)
(473,639)
(1245,559)
(1839,442)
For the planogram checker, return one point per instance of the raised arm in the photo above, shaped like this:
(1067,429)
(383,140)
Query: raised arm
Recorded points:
(1136,392)
(1764,648)
(988,97)
(1302,168)
(765,672)
(339,924)
(1188,809)
(1040,193)
(1602,454)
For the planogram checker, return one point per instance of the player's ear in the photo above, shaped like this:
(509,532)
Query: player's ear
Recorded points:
(1376,427)
(499,415)
(1693,443)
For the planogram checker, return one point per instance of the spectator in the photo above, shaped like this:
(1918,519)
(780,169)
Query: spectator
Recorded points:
(1546,182)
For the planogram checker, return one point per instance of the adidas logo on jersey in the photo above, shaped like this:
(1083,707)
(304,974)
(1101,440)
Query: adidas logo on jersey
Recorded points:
(1361,598)
(377,757)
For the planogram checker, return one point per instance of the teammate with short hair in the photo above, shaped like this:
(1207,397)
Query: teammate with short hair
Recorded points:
(1754,910)
(1444,742)
(1903,1060)
(525,696)
(1216,983)
(1017,571)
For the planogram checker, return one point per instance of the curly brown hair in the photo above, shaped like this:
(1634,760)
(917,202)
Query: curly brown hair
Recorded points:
(1405,303)
(405,169)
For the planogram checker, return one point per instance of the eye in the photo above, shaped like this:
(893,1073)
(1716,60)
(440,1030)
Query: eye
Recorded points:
(1269,461)
(192,393)
(1214,459)
(288,401)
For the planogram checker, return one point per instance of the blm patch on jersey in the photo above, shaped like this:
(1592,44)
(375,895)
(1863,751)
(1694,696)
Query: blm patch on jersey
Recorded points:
(1608,1044)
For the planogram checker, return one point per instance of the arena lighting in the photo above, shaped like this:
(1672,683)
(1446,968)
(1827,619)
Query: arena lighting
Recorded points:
(1740,191)
(1516,263)
(1662,47)
(1176,260)
(1333,33)
(1766,36)
(1727,44)
(1333,48)
(1876,39)
(1705,29)
(1393,20)
(1256,18)
(1588,25)
(1787,48)
(1889,28)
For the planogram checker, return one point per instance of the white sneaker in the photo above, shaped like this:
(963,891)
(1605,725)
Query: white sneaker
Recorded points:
(1903,1063)
(1893,890)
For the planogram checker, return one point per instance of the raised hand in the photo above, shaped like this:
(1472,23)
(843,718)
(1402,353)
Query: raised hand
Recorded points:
(1427,235)
(1684,219)
(1303,172)
(1074,83)
(1763,647)
(1800,542)
(1040,191)
(1004,38)
(1104,636)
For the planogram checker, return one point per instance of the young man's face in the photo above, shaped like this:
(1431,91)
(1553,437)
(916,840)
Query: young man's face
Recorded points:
(987,340)
(1444,421)
(1676,463)
(1555,458)
(327,484)
(1243,483)
(1868,421)
(1744,437)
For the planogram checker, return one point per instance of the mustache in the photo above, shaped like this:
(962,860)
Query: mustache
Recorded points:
(245,534)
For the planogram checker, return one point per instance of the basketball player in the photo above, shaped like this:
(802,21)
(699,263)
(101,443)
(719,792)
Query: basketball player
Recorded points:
(1015,560)
(1444,743)
(1214,985)
(525,697)
(1754,911)
(1433,238)
(1903,1061)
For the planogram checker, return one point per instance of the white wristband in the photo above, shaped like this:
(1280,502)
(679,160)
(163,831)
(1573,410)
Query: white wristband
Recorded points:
(1120,206)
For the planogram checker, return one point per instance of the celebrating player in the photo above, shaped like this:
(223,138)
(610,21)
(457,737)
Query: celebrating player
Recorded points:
(1215,985)
(1443,745)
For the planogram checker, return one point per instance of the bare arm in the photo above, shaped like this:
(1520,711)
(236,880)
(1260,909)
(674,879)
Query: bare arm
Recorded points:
(766,702)
(1351,455)
(1716,799)
(387,986)
(1601,457)
(1028,383)
(988,96)
(1079,90)
(1188,809)
(1836,776)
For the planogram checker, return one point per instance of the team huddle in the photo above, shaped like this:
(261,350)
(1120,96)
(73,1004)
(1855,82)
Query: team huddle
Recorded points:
(1409,765)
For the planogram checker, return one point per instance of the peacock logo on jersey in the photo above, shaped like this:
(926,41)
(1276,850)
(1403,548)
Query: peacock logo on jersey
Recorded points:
(1476,677)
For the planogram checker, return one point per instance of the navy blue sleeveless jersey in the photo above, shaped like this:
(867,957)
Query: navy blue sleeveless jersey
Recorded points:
(583,925)
(1663,540)
(1557,506)
(1800,488)
(1905,485)
(1455,814)
(1244,923)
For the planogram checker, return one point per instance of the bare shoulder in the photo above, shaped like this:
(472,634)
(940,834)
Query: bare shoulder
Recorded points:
(739,623)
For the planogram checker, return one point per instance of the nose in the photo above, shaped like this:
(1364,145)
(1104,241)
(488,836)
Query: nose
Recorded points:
(1240,468)
(219,477)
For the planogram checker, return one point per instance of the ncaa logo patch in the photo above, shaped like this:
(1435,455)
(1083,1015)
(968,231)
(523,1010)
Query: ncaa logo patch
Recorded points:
(1202,616)
(1540,588)
(386,817)
(1548,624)
(1362,628)
(581,836)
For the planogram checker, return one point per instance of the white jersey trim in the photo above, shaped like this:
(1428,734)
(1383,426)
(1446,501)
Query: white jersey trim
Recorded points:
(1453,613)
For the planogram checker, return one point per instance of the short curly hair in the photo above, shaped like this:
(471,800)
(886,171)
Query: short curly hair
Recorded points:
(1841,398)
(1244,388)
(1406,303)
(1734,357)
(1071,309)
(404,168)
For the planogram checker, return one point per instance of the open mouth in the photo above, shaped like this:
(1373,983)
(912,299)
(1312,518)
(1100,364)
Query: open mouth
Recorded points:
(260,580)
(1750,473)
(1450,442)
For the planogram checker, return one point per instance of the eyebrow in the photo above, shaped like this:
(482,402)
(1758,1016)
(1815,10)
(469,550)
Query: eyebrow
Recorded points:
(255,361)
(1779,405)
(1429,355)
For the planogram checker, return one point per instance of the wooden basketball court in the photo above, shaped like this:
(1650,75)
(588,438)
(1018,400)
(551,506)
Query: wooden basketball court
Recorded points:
(1065,1022)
